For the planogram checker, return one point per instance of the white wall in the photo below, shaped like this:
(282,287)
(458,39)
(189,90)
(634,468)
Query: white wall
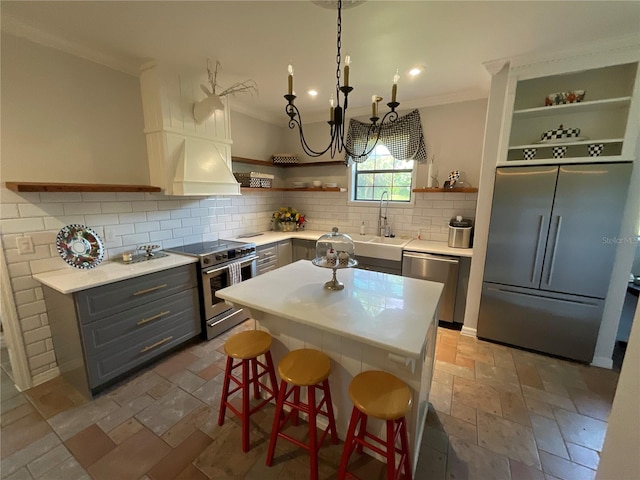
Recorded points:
(65,119)
(619,458)
(454,133)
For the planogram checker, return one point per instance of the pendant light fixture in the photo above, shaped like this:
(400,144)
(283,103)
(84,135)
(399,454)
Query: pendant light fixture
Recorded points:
(338,110)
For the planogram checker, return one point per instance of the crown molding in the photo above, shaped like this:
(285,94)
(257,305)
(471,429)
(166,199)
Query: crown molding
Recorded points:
(17,28)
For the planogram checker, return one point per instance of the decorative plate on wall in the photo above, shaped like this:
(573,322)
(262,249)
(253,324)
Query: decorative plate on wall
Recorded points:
(80,246)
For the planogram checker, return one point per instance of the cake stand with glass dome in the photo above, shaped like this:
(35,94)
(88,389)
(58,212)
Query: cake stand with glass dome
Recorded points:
(335,251)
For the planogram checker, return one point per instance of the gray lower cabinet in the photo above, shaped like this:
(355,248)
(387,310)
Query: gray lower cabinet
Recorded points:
(303,249)
(272,256)
(102,333)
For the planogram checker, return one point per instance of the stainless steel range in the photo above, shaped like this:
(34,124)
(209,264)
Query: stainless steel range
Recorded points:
(222,264)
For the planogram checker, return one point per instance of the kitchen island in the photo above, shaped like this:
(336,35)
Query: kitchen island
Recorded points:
(379,321)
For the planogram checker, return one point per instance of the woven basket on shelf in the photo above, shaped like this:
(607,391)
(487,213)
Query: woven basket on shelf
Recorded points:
(254,179)
(285,158)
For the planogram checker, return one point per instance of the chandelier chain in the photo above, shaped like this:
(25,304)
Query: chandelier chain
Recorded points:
(338,56)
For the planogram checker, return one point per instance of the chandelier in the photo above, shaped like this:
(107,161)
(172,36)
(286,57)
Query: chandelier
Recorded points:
(338,111)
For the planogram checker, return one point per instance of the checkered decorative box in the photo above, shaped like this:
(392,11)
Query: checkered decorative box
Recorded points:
(254,179)
(560,133)
(529,153)
(286,158)
(558,152)
(595,149)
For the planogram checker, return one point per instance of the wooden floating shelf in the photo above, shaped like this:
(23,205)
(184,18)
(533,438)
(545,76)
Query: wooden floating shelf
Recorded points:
(265,163)
(77,187)
(291,189)
(446,190)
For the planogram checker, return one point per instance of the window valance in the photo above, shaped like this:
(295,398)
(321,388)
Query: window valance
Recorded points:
(403,138)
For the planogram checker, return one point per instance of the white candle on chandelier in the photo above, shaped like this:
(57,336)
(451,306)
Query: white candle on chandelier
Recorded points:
(394,89)
(347,61)
(331,110)
(290,80)
(374,105)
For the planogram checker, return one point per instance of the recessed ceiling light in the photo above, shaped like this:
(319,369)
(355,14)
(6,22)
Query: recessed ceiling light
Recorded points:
(313,93)
(415,71)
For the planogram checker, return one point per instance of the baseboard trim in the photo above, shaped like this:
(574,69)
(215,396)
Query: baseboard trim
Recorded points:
(602,362)
(469,332)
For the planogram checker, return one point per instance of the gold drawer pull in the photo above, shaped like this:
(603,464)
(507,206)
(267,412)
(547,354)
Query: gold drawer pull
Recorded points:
(148,290)
(157,344)
(155,317)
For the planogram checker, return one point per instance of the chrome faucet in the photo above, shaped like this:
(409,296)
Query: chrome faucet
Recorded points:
(383,226)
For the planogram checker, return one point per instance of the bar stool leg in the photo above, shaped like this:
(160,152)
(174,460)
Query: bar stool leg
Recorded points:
(391,450)
(272,374)
(225,391)
(313,432)
(245,406)
(349,444)
(254,380)
(404,443)
(361,431)
(276,422)
(296,401)
(329,405)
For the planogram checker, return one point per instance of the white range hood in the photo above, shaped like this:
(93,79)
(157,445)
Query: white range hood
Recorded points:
(185,158)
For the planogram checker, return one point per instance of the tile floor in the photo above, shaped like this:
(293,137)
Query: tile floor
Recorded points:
(497,413)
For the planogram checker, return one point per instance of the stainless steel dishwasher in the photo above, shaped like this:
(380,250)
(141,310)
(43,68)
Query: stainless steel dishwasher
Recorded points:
(437,268)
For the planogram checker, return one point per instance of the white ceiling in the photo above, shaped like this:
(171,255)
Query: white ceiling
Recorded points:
(258,39)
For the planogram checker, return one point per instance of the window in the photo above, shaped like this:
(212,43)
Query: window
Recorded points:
(382,172)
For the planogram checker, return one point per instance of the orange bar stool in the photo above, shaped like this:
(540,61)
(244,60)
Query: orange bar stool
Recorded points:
(244,349)
(384,396)
(304,368)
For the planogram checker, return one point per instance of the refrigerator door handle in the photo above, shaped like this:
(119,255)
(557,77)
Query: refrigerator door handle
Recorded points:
(555,249)
(535,259)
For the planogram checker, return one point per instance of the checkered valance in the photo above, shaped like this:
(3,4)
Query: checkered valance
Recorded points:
(403,138)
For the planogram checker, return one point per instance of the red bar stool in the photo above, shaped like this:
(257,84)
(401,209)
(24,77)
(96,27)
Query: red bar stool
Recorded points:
(247,347)
(386,397)
(304,368)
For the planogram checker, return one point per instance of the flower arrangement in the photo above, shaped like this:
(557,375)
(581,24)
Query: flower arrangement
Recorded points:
(289,217)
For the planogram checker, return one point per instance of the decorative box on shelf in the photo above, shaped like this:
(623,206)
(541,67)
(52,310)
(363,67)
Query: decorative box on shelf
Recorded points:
(254,179)
(285,158)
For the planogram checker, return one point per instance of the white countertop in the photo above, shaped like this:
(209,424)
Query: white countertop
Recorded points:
(426,246)
(439,248)
(69,280)
(386,311)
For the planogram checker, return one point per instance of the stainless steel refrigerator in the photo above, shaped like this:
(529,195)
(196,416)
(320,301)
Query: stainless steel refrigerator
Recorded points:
(552,242)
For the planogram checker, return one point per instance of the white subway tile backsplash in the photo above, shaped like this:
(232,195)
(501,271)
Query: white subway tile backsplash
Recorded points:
(98,196)
(160,235)
(190,222)
(180,213)
(40,210)
(129,196)
(135,239)
(175,242)
(143,227)
(169,205)
(24,297)
(144,206)
(158,215)
(102,219)
(199,212)
(81,208)
(21,225)
(13,256)
(170,224)
(132,217)
(30,309)
(55,197)
(31,323)
(116,207)
(23,283)
(182,232)
(9,210)
(44,238)
(19,269)
(56,223)
(46,265)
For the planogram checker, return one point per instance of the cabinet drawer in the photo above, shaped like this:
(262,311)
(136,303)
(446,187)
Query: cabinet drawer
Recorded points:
(127,355)
(267,251)
(107,300)
(110,333)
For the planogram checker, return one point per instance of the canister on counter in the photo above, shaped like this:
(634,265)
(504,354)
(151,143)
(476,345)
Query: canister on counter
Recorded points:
(460,232)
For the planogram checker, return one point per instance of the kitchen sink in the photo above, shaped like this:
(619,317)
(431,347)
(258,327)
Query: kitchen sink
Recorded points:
(387,248)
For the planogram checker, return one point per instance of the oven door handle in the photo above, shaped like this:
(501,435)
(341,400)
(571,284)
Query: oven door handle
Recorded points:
(244,262)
